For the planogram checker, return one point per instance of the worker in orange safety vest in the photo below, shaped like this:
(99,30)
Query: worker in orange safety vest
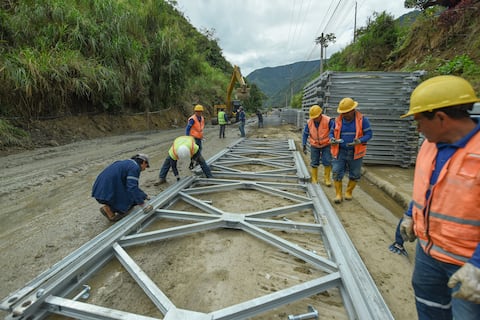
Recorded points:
(316,132)
(348,138)
(444,214)
(195,125)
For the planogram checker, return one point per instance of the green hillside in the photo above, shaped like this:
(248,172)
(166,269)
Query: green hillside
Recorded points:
(277,83)
(438,40)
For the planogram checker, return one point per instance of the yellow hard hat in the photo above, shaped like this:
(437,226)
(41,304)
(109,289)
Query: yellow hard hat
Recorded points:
(346,105)
(315,111)
(198,107)
(439,92)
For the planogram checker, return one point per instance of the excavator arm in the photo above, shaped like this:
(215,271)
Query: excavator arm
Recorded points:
(242,93)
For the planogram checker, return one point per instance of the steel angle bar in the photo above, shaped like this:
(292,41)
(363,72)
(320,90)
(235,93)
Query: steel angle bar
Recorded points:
(214,185)
(182,215)
(272,184)
(302,173)
(360,289)
(274,189)
(289,225)
(85,311)
(277,192)
(159,299)
(259,305)
(280,210)
(202,205)
(152,236)
(306,255)
(247,175)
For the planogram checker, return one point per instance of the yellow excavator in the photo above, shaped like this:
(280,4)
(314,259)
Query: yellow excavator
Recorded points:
(231,106)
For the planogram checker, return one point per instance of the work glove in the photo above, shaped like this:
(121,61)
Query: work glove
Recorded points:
(354,143)
(305,149)
(469,278)
(191,165)
(335,141)
(406,229)
(147,208)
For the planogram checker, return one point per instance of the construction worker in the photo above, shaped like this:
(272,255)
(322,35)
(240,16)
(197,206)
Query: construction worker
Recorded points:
(116,187)
(241,119)
(222,121)
(348,139)
(260,118)
(183,148)
(445,210)
(195,125)
(316,131)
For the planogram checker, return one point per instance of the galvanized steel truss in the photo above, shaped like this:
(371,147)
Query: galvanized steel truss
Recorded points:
(283,175)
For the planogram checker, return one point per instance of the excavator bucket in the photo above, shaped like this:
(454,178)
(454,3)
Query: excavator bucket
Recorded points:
(242,93)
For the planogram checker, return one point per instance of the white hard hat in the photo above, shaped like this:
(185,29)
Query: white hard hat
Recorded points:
(183,153)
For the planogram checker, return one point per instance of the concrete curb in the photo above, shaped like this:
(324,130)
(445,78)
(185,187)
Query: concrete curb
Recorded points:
(388,188)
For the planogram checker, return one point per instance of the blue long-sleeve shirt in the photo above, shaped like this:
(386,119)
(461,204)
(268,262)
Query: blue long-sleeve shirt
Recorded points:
(117,186)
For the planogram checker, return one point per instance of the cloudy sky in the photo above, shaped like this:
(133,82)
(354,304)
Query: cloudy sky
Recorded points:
(254,34)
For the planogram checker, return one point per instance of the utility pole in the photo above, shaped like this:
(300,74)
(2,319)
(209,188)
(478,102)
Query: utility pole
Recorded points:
(323,40)
(355,24)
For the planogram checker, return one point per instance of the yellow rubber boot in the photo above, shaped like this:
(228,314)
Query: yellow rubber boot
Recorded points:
(327,173)
(338,191)
(314,174)
(350,186)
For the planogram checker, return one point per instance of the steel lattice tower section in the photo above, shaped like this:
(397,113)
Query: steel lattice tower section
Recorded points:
(273,169)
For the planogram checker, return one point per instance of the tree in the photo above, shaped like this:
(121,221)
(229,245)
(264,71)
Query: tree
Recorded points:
(424,4)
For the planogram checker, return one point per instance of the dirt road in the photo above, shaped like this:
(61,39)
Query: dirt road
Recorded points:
(47,211)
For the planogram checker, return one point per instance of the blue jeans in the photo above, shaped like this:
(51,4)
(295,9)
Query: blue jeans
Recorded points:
(344,163)
(198,142)
(323,153)
(433,297)
(241,127)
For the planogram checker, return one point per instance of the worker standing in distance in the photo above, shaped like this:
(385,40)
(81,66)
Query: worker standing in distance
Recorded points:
(348,139)
(195,125)
(183,148)
(445,210)
(317,132)
(260,118)
(222,121)
(116,187)
(241,118)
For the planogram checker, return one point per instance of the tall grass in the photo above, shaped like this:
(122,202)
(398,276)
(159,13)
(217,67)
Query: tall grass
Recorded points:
(70,56)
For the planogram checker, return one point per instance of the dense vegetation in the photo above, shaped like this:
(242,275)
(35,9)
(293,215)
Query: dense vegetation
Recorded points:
(438,40)
(62,57)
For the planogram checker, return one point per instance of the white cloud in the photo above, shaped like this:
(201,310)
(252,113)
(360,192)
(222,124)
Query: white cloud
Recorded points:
(254,34)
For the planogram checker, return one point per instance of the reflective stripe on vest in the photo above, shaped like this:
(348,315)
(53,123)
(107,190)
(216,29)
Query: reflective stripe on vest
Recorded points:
(448,223)
(360,149)
(196,130)
(318,137)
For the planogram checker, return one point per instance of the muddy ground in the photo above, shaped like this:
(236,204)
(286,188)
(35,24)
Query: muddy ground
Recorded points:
(47,212)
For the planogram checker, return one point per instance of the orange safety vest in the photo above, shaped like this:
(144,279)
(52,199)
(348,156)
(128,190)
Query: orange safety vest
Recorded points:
(319,136)
(182,141)
(360,150)
(448,223)
(196,130)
